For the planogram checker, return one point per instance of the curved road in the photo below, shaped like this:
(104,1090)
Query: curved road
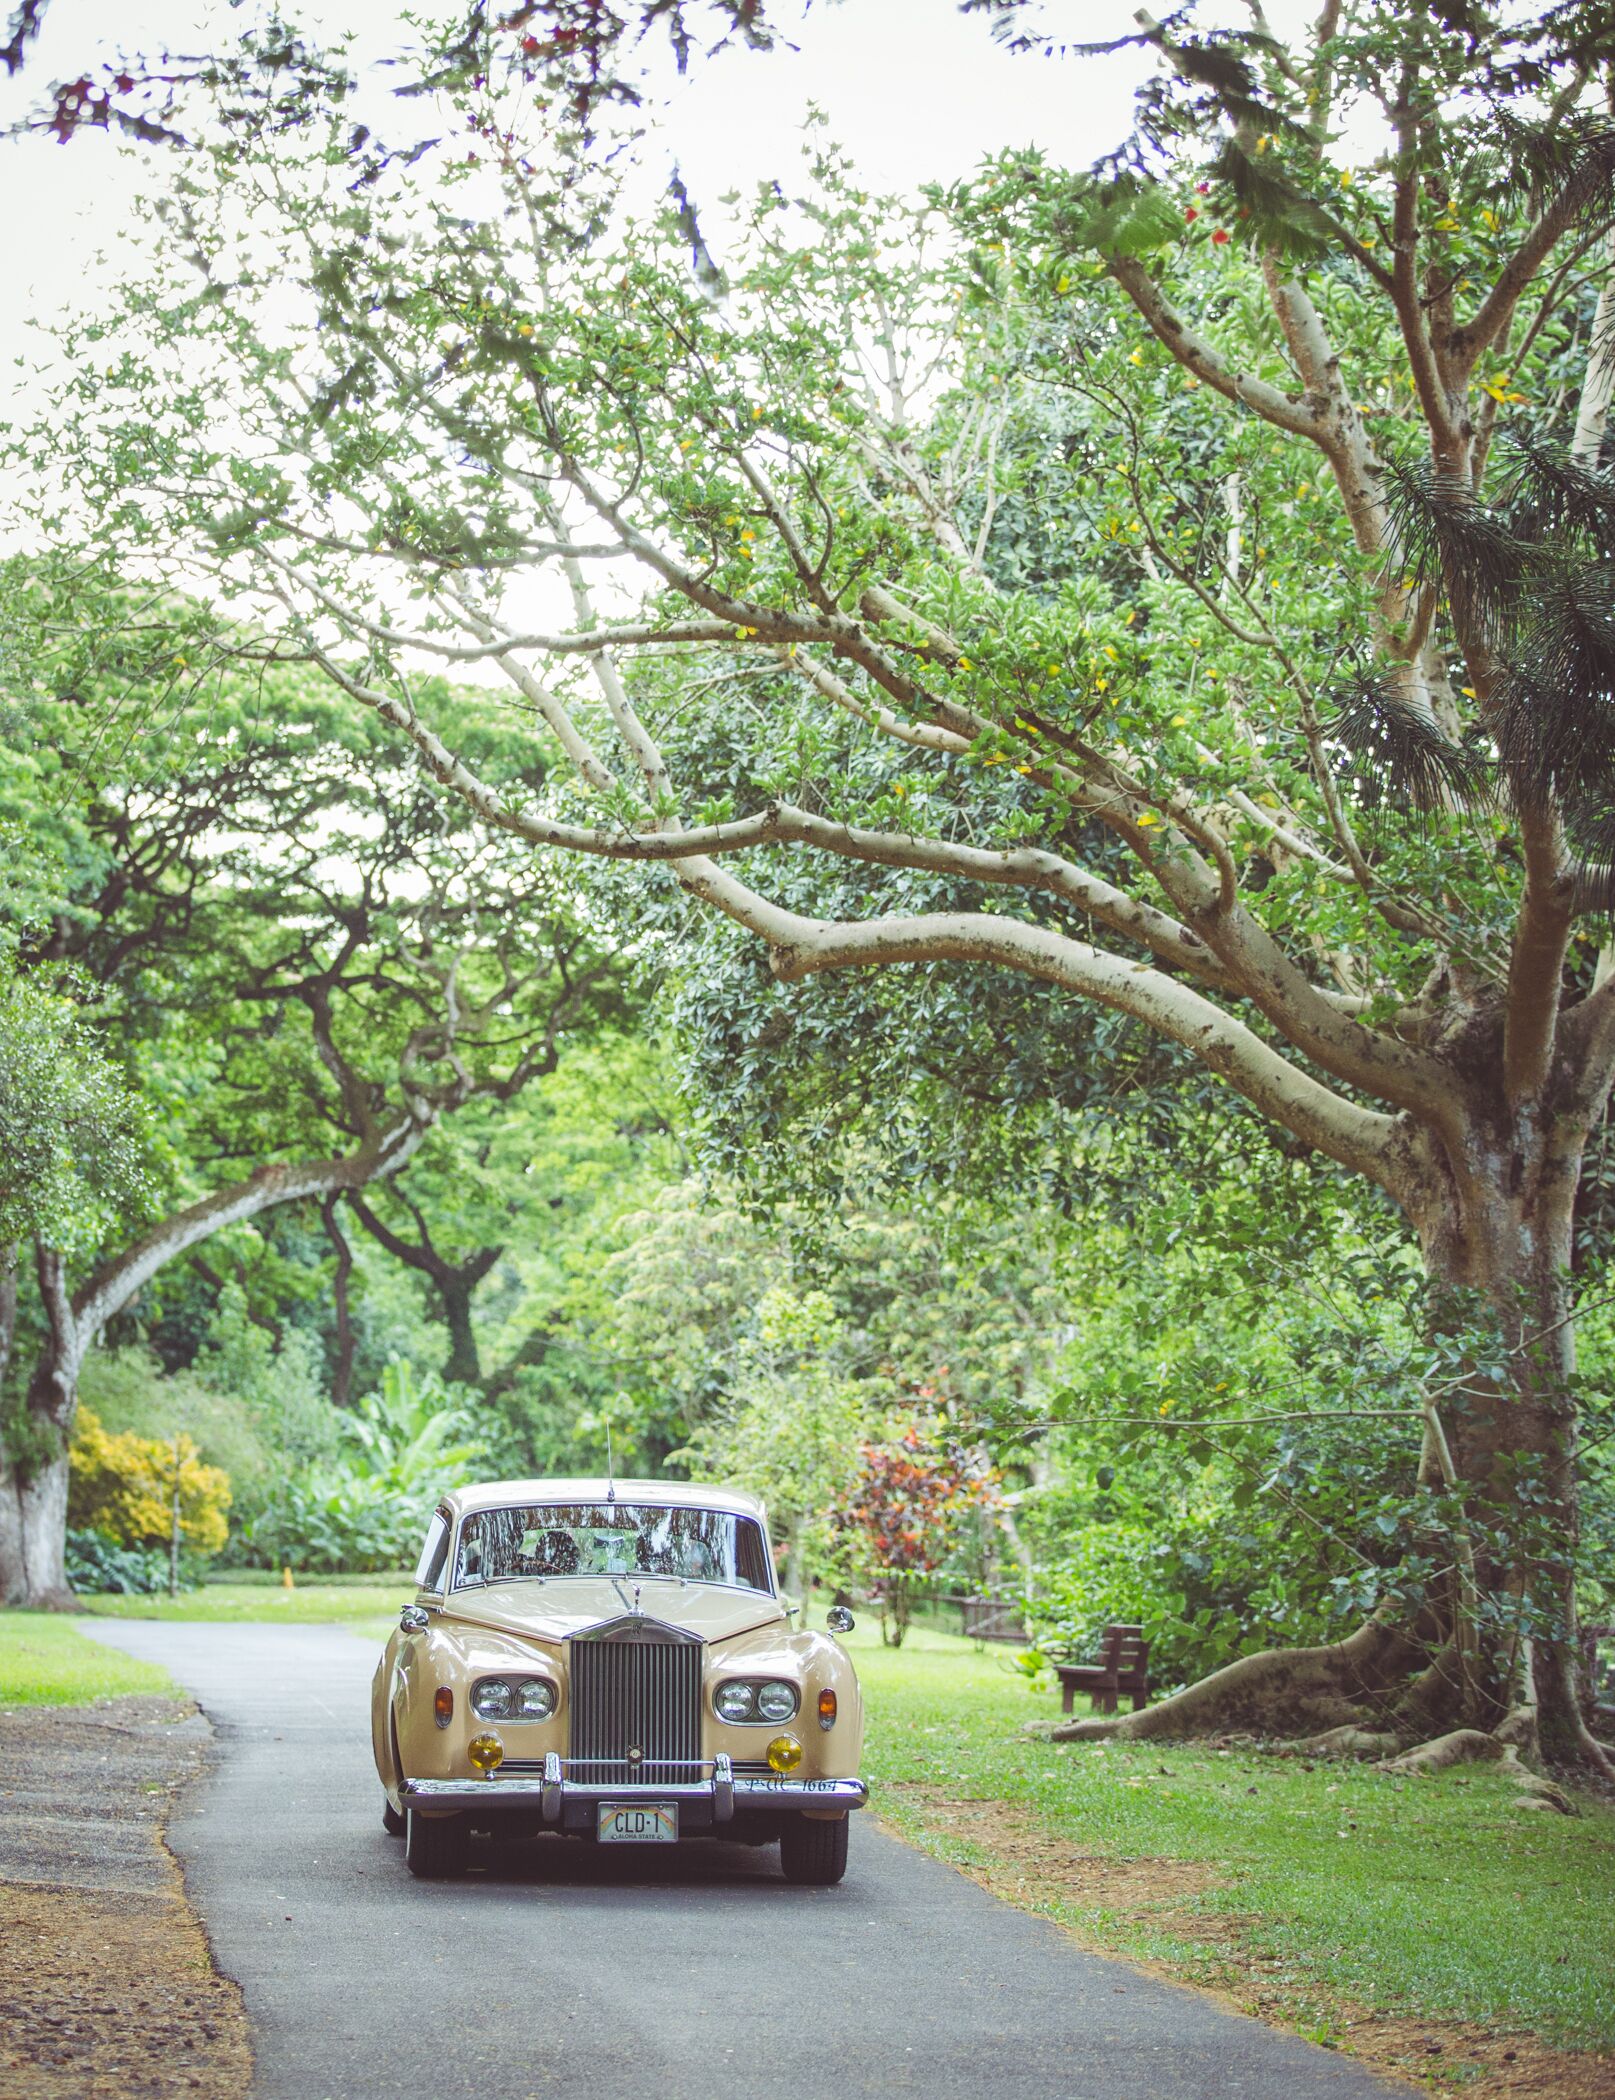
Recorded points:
(599,1976)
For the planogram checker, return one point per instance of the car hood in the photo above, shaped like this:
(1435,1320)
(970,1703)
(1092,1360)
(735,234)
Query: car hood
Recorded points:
(557,1609)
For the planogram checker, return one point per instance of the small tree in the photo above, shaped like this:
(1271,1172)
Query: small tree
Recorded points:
(902,1520)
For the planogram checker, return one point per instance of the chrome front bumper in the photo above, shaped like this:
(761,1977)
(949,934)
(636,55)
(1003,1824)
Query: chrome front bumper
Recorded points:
(724,1792)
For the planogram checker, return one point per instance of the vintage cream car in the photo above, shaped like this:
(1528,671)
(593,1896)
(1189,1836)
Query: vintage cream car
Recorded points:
(613,1660)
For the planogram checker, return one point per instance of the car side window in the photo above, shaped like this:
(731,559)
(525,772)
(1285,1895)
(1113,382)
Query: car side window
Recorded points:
(429,1575)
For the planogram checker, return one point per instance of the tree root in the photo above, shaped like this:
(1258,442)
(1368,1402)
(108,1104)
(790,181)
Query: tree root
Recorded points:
(1381,1693)
(1348,1742)
(1281,1691)
(1468,1746)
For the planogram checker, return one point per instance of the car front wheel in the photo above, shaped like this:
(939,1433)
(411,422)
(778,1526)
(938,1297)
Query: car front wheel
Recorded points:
(814,1854)
(435,1847)
(391,1821)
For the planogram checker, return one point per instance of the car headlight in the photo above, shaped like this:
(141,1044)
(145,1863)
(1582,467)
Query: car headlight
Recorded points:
(513,1698)
(768,1699)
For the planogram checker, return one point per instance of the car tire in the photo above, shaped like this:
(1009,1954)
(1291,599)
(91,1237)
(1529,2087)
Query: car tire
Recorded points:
(391,1821)
(814,1854)
(435,1847)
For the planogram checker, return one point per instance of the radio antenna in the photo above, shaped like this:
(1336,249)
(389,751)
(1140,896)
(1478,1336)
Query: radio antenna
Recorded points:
(611,1466)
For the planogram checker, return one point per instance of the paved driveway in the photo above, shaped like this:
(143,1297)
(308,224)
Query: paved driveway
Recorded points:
(699,1975)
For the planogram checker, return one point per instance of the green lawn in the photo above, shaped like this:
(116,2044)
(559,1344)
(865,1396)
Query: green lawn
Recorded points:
(46,1661)
(369,1603)
(1434,1897)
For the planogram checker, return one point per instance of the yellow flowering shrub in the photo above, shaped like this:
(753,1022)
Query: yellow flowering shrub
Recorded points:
(122,1485)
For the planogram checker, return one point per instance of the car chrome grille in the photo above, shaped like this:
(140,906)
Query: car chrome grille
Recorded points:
(635,1695)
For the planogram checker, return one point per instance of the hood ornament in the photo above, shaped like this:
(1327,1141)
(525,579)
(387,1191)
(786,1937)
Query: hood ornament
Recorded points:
(636,1600)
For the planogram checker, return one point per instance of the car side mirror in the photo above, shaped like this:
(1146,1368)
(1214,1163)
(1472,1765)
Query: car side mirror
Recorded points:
(412,1619)
(839,1619)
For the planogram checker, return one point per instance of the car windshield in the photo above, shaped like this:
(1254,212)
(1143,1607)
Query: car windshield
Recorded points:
(611,1538)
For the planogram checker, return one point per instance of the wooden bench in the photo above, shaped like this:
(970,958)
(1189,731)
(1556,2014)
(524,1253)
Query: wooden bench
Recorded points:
(1122,1666)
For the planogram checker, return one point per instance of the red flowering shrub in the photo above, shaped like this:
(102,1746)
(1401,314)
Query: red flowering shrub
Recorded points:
(901,1522)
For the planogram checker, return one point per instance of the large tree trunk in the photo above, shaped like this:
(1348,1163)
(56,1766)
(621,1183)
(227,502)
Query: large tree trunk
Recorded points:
(33,1480)
(1504,1238)
(1499,1443)
(33,1533)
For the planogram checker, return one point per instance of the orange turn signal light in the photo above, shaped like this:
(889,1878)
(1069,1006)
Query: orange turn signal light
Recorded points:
(827,1709)
(443,1705)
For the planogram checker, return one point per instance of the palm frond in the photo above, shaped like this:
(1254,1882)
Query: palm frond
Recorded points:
(1393,754)
(1571,160)
(1443,536)
(1554,716)
(1276,214)
(1544,491)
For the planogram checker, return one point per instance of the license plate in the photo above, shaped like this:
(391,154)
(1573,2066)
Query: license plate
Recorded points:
(646,1823)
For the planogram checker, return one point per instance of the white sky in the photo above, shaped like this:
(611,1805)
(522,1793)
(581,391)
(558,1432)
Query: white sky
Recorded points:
(913,90)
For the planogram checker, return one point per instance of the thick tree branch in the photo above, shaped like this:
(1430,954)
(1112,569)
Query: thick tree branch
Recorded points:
(1197,356)
(1357,1137)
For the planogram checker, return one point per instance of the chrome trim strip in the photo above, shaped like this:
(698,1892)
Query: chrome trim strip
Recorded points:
(551,1794)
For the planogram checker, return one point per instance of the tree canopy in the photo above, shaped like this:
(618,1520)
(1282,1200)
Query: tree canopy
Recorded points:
(1176,589)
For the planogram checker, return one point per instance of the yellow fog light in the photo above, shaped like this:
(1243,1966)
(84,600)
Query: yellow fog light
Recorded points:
(784,1753)
(487,1753)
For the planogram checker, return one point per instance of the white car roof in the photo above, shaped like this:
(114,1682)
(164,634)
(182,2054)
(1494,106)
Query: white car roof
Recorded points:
(675,1494)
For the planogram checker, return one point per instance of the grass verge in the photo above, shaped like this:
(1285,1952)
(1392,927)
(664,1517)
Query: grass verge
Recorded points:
(368,1603)
(46,1661)
(1314,1893)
